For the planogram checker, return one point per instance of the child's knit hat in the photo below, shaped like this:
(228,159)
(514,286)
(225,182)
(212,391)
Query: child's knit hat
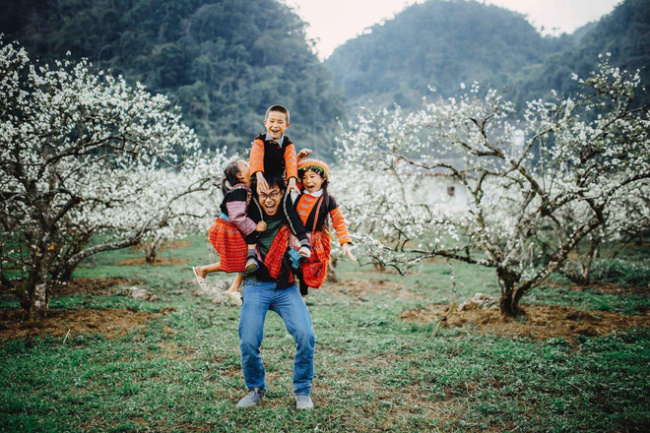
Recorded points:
(315,165)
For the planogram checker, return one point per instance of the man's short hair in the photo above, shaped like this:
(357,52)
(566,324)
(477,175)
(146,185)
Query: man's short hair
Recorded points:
(276,180)
(278,108)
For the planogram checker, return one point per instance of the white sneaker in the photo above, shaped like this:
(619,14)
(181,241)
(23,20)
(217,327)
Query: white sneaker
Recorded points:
(254,398)
(304,402)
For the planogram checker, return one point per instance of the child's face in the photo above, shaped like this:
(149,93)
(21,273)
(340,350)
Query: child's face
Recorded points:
(312,181)
(244,174)
(275,124)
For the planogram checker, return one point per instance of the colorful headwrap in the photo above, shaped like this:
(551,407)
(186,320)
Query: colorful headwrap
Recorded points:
(315,165)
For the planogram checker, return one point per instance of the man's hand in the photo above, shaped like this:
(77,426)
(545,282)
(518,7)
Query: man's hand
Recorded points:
(261,226)
(293,186)
(262,185)
(346,250)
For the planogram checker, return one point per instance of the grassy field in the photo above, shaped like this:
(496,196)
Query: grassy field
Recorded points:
(179,371)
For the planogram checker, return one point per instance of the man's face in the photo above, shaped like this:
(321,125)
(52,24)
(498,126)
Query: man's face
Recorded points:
(270,200)
(275,124)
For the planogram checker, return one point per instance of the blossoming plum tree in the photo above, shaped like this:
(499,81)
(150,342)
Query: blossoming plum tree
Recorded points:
(531,201)
(81,155)
(193,193)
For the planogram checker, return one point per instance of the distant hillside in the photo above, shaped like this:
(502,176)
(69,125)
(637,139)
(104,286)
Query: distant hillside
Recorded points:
(625,33)
(438,43)
(223,61)
(443,43)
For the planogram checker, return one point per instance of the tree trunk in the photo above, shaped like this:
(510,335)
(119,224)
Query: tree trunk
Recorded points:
(511,294)
(34,295)
(150,253)
(509,303)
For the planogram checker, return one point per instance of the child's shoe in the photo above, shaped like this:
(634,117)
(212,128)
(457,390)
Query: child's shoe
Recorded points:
(251,264)
(235,297)
(201,280)
(305,252)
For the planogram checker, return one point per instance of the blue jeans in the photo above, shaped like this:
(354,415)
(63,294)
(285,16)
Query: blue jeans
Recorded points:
(260,297)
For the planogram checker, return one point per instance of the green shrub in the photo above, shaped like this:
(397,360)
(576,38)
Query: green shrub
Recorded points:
(621,272)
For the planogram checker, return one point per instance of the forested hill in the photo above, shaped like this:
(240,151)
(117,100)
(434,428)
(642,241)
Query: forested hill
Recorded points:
(624,33)
(223,61)
(445,43)
(439,44)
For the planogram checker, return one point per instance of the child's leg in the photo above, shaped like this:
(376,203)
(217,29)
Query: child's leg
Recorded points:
(202,271)
(251,258)
(234,287)
(233,290)
(304,289)
(251,253)
(295,223)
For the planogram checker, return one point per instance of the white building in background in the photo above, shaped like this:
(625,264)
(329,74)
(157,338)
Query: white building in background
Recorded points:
(442,192)
(439,192)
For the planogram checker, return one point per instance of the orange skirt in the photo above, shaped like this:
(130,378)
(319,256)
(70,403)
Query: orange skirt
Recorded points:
(230,244)
(314,269)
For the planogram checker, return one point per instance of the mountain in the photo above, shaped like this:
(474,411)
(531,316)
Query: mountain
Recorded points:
(445,43)
(223,61)
(624,33)
(440,44)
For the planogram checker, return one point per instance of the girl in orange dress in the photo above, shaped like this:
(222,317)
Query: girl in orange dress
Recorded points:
(314,206)
(233,234)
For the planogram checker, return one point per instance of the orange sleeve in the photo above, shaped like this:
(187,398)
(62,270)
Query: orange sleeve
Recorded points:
(290,161)
(257,157)
(339,225)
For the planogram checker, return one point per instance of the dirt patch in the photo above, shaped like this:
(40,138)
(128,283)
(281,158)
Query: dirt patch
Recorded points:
(175,245)
(112,322)
(95,286)
(361,288)
(160,261)
(539,322)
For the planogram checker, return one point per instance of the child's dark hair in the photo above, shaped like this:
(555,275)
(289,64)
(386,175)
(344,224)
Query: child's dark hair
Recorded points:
(230,176)
(279,109)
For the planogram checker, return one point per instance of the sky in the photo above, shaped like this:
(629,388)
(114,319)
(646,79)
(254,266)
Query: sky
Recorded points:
(332,22)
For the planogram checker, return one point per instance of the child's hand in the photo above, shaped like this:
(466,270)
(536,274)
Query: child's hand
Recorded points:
(261,226)
(303,153)
(262,185)
(346,250)
(293,186)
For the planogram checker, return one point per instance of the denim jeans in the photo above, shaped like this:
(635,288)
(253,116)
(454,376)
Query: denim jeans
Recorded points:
(260,297)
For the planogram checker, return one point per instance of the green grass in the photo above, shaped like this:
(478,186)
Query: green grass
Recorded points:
(374,372)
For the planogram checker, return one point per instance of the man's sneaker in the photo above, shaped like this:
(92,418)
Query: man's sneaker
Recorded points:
(305,252)
(304,402)
(254,398)
(251,265)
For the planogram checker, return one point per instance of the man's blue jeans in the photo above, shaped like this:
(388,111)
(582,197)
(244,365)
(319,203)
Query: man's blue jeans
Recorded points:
(260,297)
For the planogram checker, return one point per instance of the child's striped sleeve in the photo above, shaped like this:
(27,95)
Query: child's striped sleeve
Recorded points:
(257,157)
(339,225)
(290,161)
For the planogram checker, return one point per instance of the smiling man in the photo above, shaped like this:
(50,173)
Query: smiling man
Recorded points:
(272,287)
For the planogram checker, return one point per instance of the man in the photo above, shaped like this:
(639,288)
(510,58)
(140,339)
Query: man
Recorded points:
(272,287)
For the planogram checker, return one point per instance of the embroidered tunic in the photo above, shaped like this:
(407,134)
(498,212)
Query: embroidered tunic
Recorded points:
(273,158)
(307,212)
(228,230)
